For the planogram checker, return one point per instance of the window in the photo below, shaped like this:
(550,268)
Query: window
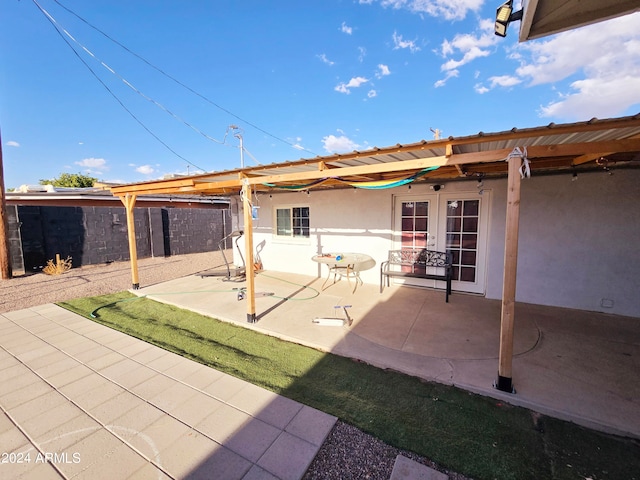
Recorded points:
(292,222)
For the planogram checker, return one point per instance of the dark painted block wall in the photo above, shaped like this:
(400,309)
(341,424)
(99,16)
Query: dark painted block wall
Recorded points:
(15,243)
(94,235)
(193,230)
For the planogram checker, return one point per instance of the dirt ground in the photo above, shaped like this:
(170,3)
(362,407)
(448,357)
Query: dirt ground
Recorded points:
(24,291)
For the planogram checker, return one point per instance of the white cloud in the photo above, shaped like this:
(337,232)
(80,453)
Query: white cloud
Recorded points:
(443,81)
(466,47)
(498,81)
(383,71)
(363,53)
(596,97)
(344,28)
(372,94)
(333,144)
(400,43)
(145,169)
(297,143)
(93,163)
(504,81)
(605,55)
(324,59)
(11,143)
(447,9)
(355,82)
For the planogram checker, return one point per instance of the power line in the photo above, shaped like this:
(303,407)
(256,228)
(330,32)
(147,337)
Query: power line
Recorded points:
(162,72)
(137,91)
(58,30)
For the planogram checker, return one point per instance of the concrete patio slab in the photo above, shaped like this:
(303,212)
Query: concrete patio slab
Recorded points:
(575,365)
(74,407)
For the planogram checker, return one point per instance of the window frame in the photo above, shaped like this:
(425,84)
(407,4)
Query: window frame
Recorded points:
(292,218)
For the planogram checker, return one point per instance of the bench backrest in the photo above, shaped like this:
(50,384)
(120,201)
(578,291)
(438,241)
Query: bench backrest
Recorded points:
(419,257)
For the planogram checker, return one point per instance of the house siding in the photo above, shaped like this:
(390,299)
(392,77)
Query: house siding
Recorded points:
(577,245)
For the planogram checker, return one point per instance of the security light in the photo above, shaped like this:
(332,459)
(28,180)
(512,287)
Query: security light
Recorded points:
(504,16)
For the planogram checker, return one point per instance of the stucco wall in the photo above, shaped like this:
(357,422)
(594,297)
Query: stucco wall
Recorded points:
(341,221)
(578,242)
(577,249)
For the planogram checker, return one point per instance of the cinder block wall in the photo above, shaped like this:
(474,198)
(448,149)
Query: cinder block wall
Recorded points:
(95,235)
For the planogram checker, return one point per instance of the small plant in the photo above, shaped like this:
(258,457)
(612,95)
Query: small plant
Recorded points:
(59,267)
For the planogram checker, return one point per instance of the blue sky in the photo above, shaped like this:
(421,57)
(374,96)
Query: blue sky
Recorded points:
(299,79)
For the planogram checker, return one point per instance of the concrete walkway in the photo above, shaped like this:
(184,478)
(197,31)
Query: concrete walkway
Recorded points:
(79,400)
(575,365)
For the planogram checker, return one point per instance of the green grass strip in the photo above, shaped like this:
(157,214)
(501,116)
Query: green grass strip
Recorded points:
(471,434)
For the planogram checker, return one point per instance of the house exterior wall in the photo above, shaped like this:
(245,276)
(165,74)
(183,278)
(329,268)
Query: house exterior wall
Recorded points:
(576,245)
(341,221)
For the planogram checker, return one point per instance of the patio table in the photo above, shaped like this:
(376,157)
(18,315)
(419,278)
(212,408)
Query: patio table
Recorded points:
(347,265)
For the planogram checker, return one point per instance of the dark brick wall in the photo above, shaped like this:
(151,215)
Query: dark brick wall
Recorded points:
(193,230)
(94,235)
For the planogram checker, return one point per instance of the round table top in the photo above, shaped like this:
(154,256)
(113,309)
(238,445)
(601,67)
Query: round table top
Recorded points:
(359,261)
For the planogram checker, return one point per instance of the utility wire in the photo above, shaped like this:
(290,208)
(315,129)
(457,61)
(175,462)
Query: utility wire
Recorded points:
(136,90)
(58,30)
(162,72)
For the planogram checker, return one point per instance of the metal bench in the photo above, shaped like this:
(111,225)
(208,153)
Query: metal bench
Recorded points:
(417,263)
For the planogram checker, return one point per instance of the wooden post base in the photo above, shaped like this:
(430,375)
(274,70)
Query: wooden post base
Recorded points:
(504,384)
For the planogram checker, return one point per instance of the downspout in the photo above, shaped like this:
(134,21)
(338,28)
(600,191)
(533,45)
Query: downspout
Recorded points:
(129,202)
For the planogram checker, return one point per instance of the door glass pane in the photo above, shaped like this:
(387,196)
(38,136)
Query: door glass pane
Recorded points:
(421,224)
(470,224)
(407,209)
(422,209)
(471,208)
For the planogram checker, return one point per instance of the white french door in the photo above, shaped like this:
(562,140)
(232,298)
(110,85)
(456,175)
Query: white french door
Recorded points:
(454,222)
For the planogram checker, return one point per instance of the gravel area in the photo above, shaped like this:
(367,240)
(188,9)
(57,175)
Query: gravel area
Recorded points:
(348,453)
(25,291)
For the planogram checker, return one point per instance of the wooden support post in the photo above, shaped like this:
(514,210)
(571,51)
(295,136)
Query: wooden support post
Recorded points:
(504,381)
(5,255)
(129,202)
(248,255)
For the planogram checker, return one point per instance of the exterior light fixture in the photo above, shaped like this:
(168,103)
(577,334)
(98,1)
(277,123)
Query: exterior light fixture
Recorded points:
(504,16)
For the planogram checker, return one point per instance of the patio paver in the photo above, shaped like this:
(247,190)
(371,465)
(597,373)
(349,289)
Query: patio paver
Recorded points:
(127,409)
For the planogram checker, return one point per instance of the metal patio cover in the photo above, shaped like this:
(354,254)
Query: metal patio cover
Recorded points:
(550,149)
(596,144)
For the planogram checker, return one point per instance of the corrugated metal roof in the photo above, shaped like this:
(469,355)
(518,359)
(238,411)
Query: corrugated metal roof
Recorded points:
(549,147)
